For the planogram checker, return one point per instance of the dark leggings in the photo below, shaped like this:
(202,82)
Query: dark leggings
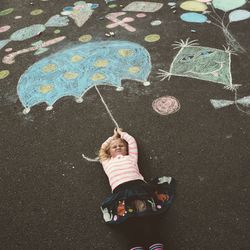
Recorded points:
(140,231)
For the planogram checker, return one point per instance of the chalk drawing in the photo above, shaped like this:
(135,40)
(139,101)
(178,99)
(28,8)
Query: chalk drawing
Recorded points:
(6,12)
(193,6)
(245,102)
(120,22)
(141,15)
(166,105)
(4,28)
(17,17)
(35,29)
(85,38)
(202,63)
(156,23)
(36,12)
(152,38)
(142,6)
(4,74)
(216,19)
(74,71)
(10,58)
(8,49)
(80,13)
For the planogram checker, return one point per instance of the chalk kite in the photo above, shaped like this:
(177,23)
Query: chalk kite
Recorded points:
(202,63)
(72,72)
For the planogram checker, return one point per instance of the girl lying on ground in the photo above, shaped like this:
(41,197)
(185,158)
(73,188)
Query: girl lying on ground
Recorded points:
(133,204)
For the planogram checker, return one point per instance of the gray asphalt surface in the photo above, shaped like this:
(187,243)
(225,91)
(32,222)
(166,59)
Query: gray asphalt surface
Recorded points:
(50,196)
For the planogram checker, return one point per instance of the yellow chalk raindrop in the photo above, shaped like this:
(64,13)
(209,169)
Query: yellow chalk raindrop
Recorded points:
(101,63)
(193,6)
(134,69)
(125,52)
(76,58)
(45,88)
(152,38)
(49,68)
(98,76)
(4,74)
(70,75)
(85,38)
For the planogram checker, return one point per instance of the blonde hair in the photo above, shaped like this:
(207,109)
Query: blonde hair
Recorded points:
(104,153)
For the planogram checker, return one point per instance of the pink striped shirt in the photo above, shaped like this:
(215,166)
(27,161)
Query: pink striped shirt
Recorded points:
(122,168)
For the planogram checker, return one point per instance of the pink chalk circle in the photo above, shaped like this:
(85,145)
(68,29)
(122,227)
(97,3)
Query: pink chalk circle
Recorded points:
(141,15)
(4,28)
(8,49)
(166,105)
(18,17)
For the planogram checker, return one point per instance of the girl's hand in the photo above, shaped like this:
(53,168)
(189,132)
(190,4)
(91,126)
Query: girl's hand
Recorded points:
(115,133)
(119,131)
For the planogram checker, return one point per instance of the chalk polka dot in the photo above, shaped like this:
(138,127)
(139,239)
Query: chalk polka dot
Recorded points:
(4,28)
(18,17)
(57,31)
(4,74)
(97,77)
(85,38)
(152,38)
(8,49)
(141,15)
(49,68)
(125,52)
(155,23)
(76,58)
(166,105)
(6,12)
(36,12)
(134,69)
(45,88)
(70,75)
(111,6)
(101,63)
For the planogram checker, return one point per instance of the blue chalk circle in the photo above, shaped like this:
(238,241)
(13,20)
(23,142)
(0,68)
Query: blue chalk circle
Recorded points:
(192,17)
(239,15)
(68,8)
(72,72)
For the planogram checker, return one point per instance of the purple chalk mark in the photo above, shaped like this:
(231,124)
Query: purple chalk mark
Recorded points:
(117,22)
(166,105)
(141,15)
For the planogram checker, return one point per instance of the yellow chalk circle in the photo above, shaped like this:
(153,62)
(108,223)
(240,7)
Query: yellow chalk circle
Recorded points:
(98,76)
(134,69)
(76,58)
(49,68)
(85,38)
(152,38)
(101,63)
(193,6)
(57,31)
(4,74)
(45,88)
(125,52)
(70,75)
(36,12)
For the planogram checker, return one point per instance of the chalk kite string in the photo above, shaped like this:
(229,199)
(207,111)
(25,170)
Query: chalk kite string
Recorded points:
(112,118)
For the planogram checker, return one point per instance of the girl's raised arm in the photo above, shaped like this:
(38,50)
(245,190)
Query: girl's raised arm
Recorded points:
(132,145)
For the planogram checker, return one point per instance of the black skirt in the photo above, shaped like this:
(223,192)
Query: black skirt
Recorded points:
(138,198)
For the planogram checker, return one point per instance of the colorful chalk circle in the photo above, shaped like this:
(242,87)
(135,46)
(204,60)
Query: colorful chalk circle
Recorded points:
(239,15)
(85,38)
(227,5)
(6,12)
(57,31)
(17,17)
(152,38)
(141,15)
(166,105)
(4,28)
(193,6)
(4,74)
(193,17)
(36,12)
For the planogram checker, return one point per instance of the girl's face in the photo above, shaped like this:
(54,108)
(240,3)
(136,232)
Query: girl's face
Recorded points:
(117,147)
